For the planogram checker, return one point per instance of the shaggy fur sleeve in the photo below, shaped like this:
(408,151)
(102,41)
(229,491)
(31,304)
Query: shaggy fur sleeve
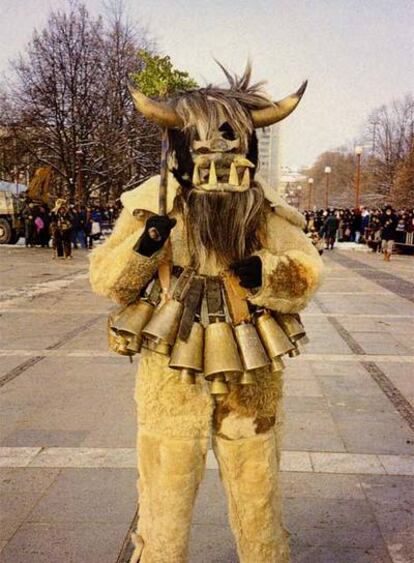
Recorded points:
(291,268)
(118,272)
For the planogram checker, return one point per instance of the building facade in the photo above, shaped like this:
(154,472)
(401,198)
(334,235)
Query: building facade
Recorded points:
(269,155)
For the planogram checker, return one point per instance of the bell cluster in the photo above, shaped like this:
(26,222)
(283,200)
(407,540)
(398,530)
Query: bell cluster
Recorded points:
(223,351)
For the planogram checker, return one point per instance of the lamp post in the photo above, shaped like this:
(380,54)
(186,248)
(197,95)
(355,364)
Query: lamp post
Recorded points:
(358,152)
(327,171)
(310,186)
(79,180)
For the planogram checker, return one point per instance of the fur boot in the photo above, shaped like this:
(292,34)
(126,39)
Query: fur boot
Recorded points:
(173,430)
(170,472)
(249,470)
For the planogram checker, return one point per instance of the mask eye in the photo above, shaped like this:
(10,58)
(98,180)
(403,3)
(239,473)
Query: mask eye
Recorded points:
(227,131)
(203,150)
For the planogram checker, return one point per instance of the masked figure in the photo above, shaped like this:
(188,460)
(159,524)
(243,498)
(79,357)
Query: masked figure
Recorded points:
(244,269)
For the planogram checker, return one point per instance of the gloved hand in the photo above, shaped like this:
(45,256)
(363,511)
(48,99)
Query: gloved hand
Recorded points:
(157,231)
(249,270)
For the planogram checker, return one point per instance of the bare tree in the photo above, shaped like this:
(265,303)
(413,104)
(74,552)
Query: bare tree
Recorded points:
(390,132)
(68,105)
(387,173)
(403,188)
(127,147)
(341,179)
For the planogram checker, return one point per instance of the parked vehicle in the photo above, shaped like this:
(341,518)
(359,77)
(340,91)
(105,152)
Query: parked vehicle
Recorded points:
(11,223)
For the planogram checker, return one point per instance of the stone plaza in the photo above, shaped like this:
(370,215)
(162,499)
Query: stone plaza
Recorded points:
(68,427)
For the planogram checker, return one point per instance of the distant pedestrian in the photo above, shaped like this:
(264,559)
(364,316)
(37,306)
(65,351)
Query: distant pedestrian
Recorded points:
(94,228)
(43,234)
(39,225)
(365,218)
(29,224)
(61,230)
(389,223)
(329,229)
(356,226)
(79,227)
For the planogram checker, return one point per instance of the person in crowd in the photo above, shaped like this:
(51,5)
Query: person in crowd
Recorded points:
(389,222)
(79,227)
(316,240)
(356,228)
(318,220)
(330,228)
(347,226)
(401,228)
(373,232)
(96,223)
(340,233)
(365,216)
(39,226)
(28,215)
(88,228)
(61,230)
(43,234)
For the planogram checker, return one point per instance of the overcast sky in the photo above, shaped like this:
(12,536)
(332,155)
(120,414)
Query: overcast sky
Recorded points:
(357,54)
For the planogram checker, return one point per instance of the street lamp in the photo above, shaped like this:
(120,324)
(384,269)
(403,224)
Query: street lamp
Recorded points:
(327,171)
(79,184)
(310,186)
(358,152)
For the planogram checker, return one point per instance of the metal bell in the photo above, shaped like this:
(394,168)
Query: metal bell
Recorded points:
(294,352)
(252,353)
(134,344)
(160,347)
(123,344)
(304,339)
(161,331)
(274,339)
(220,351)
(187,376)
(129,324)
(188,355)
(219,386)
(292,326)
(116,343)
(247,378)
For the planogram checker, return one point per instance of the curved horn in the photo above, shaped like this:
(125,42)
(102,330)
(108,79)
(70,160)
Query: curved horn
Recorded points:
(279,110)
(158,112)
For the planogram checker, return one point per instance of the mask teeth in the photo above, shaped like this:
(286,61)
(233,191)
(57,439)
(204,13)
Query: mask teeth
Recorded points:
(246,178)
(212,177)
(196,176)
(242,161)
(234,177)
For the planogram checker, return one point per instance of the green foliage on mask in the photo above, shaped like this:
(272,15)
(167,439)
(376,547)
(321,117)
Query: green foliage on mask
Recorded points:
(159,78)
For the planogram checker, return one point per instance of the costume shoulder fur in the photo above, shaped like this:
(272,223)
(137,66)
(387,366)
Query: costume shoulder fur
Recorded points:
(145,198)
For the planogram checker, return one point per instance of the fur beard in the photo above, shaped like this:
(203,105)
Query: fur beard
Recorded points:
(224,224)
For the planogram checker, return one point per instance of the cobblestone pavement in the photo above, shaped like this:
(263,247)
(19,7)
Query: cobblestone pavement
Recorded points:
(67,458)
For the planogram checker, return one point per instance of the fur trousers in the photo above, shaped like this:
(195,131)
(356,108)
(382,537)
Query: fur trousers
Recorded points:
(175,421)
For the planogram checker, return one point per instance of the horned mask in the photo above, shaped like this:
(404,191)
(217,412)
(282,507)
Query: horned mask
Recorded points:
(212,130)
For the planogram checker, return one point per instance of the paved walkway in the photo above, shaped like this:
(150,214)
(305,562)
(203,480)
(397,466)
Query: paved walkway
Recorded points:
(67,476)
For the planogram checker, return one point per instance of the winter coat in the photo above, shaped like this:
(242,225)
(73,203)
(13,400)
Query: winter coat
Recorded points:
(389,226)
(330,226)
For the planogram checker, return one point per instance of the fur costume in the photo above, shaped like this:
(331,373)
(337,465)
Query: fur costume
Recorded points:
(176,420)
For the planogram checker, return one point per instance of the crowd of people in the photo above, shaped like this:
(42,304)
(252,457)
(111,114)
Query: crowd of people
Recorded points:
(378,228)
(65,226)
